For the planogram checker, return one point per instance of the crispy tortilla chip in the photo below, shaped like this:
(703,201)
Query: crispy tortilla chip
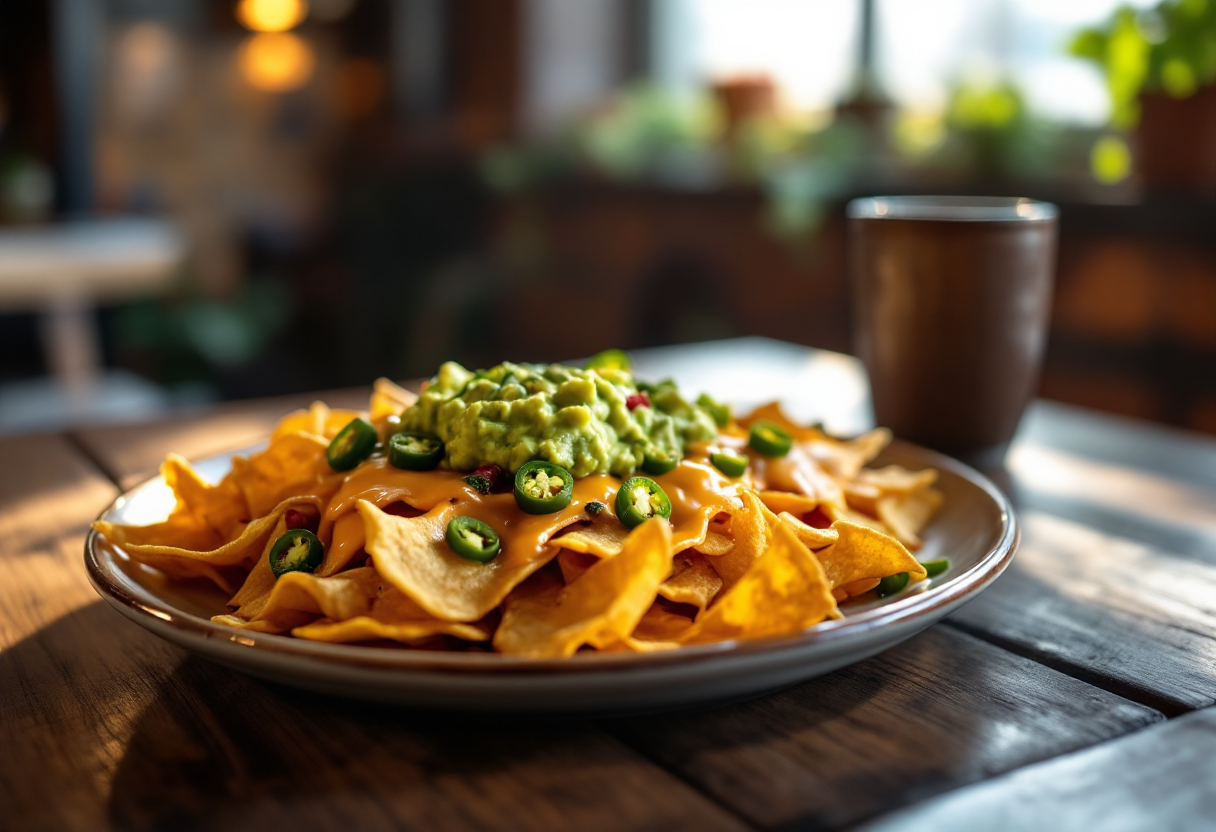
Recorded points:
(574,564)
(693,581)
(810,536)
(716,544)
(897,479)
(861,553)
(797,474)
(603,539)
(659,629)
(394,616)
(318,421)
(222,507)
(187,563)
(601,608)
(750,530)
(852,590)
(388,399)
(906,515)
(846,459)
(294,465)
(783,592)
(411,554)
(298,598)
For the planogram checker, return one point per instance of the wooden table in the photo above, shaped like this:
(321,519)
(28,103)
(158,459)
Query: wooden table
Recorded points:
(1077,693)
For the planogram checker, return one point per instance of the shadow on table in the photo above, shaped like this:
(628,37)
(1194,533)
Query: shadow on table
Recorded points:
(136,734)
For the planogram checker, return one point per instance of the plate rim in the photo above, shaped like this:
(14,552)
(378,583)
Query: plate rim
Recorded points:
(932,603)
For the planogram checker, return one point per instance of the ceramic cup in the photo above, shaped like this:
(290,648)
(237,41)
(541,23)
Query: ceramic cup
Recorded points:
(951,297)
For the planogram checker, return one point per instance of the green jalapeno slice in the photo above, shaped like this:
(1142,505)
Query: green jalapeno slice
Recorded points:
(769,440)
(717,410)
(298,550)
(609,360)
(656,462)
(414,451)
(892,584)
(640,499)
(353,444)
(933,568)
(542,487)
(472,539)
(729,462)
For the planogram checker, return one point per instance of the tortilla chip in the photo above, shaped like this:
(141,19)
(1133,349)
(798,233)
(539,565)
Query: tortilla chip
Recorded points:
(784,592)
(294,465)
(861,553)
(574,564)
(897,479)
(318,421)
(298,598)
(852,590)
(222,507)
(603,539)
(388,399)
(411,554)
(693,581)
(393,616)
(716,544)
(659,629)
(845,459)
(906,515)
(750,530)
(187,563)
(810,536)
(601,608)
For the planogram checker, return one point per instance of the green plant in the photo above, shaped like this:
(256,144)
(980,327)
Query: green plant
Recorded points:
(1170,48)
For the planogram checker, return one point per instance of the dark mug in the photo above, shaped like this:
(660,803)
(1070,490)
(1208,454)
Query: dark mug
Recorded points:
(951,298)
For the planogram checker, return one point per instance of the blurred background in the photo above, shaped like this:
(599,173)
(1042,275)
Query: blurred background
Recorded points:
(204,200)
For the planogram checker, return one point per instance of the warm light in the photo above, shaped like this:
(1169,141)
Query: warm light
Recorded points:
(278,62)
(271,15)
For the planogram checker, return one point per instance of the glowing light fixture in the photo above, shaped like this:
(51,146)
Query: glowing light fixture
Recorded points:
(271,15)
(276,62)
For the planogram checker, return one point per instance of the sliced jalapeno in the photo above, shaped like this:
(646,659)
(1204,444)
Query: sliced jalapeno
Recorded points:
(892,584)
(542,487)
(640,499)
(609,360)
(719,411)
(656,462)
(296,551)
(729,462)
(769,440)
(414,451)
(472,539)
(933,568)
(353,444)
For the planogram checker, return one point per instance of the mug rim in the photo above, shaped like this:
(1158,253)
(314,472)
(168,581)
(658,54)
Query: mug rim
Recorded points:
(952,209)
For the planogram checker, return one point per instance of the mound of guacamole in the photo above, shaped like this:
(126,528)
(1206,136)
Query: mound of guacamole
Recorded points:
(578,419)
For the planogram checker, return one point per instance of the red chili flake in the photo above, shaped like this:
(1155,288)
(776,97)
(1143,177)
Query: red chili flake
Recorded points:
(296,519)
(637,400)
(497,475)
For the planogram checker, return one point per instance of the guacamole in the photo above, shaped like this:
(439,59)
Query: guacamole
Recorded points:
(596,421)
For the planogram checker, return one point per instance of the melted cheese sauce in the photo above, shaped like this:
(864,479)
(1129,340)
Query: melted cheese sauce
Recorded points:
(698,493)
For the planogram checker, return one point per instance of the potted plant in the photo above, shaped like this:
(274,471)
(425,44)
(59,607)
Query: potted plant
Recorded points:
(1160,71)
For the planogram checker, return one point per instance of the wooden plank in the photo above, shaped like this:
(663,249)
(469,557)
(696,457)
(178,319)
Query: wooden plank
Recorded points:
(102,724)
(1159,778)
(1129,616)
(132,453)
(939,712)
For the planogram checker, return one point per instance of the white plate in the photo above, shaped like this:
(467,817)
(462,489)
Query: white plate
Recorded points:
(976,529)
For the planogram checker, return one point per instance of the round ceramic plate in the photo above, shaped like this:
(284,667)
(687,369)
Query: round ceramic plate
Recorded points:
(976,529)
